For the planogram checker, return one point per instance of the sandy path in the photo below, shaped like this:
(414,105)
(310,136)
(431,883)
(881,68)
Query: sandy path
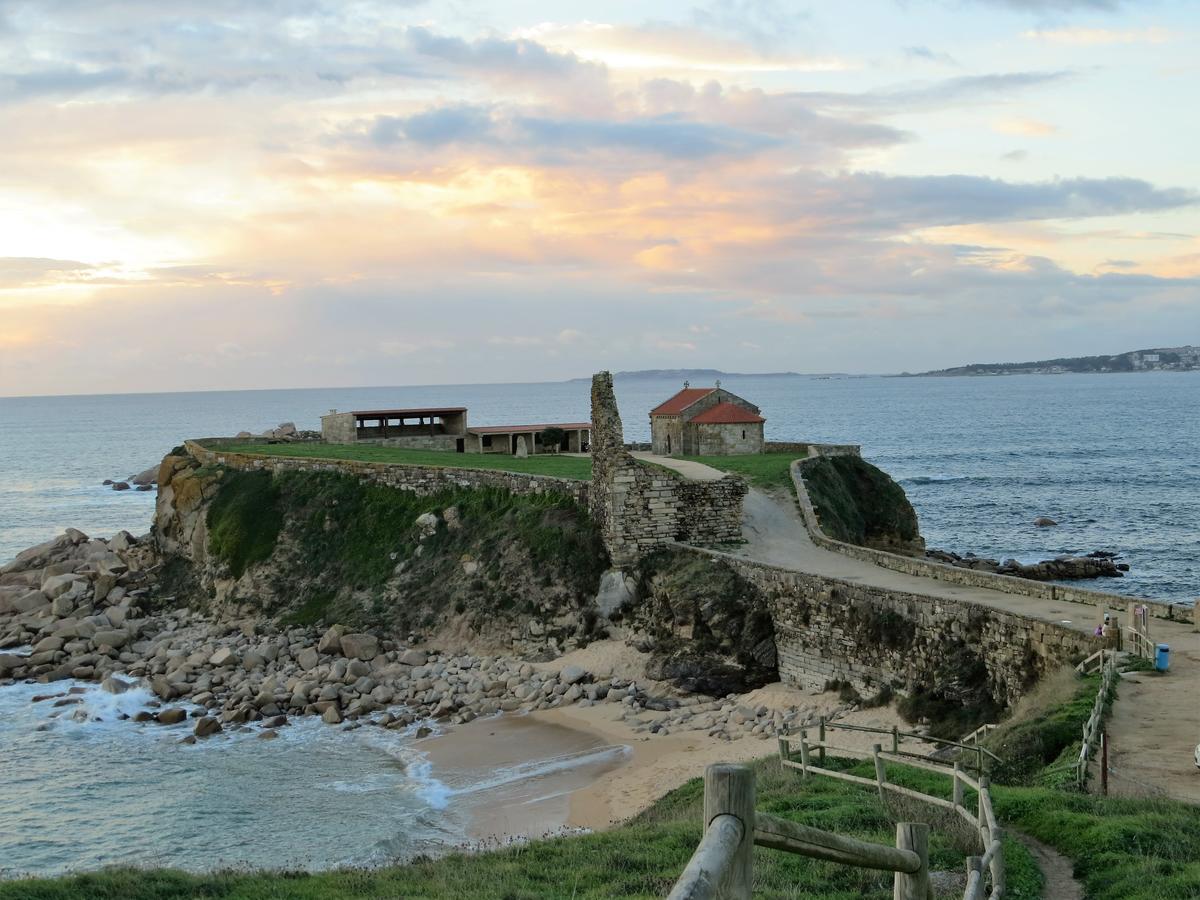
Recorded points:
(1154,725)
(1056,869)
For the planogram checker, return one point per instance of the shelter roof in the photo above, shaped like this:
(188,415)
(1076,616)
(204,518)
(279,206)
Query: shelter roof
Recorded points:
(526,429)
(404,413)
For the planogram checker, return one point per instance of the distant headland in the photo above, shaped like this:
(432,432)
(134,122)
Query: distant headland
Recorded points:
(700,374)
(1162,359)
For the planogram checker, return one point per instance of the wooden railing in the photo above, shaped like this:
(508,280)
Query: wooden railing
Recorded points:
(722,867)
(982,818)
(1092,730)
(969,744)
(1138,630)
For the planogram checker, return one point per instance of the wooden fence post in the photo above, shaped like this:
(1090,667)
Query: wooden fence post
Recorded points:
(880,771)
(958,785)
(983,786)
(998,885)
(1104,763)
(729,790)
(974,877)
(821,738)
(913,836)
(895,739)
(803,755)
(783,750)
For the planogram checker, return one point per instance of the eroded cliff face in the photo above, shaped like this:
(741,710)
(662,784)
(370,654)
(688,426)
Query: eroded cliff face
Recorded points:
(482,566)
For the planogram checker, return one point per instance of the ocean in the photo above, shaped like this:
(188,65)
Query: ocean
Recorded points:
(1115,459)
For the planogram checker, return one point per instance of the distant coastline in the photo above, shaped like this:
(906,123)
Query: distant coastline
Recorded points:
(710,374)
(1161,359)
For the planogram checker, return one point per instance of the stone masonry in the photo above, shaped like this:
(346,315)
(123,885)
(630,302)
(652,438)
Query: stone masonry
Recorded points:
(829,630)
(423,480)
(640,508)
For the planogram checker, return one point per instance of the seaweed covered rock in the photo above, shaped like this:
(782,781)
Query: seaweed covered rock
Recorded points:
(708,629)
(858,503)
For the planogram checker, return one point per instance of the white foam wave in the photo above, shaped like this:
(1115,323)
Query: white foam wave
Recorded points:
(537,768)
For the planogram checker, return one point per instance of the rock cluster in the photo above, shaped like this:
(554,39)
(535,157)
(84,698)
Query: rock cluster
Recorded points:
(1099,564)
(728,719)
(284,431)
(142,481)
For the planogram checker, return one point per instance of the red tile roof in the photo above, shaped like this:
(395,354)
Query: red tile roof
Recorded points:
(681,401)
(727,414)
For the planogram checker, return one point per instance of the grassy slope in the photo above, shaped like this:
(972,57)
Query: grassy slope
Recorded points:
(575,467)
(348,534)
(763,470)
(640,859)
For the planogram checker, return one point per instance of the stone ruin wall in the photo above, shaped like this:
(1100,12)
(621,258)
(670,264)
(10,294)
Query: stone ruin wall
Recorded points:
(830,630)
(641,508)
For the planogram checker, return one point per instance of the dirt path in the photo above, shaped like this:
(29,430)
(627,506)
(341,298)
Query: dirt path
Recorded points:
(1056,869)
(1154,726)
(693,470)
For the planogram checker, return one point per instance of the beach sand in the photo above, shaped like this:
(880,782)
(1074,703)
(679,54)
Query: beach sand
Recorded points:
(577,767)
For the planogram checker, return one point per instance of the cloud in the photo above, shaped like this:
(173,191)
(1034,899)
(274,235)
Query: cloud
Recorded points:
(1025,127)
(946,93)
(921,52)
(1094,37)
(1056,5)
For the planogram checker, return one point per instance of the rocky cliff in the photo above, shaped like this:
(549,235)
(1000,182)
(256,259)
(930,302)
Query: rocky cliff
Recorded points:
(490,567)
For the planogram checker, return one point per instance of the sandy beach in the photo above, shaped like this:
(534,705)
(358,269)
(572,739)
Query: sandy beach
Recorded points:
(587,767)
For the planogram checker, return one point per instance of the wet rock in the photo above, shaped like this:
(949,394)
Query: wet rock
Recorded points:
(120,485)
(172,716)
(1044,522)
(206,726)
(331,716)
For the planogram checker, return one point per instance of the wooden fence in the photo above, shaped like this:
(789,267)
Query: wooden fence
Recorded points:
(722,867)
(1138,630)
(981,818)
(969,744)
(1107,660)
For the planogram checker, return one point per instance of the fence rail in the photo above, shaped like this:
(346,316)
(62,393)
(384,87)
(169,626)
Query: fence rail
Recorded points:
(981,818)
(722,866)
(1092,727)
(970,743)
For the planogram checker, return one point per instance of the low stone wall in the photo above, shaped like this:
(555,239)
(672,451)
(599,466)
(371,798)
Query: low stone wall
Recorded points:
(422,480)
(804,449)
(927,568)
(832,630)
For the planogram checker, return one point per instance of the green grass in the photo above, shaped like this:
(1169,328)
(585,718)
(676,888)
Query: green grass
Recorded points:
(244,519)
(639,860)
(769,471)
(858,503)
(578,468)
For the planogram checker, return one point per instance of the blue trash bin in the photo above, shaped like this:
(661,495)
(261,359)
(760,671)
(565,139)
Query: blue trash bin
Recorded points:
(1162,657)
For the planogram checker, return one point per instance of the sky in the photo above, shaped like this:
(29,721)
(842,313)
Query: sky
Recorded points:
(222,195)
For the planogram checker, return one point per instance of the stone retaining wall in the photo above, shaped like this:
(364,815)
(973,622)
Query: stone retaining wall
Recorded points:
(423,480)
(927,568)
(803,449)
(831,630)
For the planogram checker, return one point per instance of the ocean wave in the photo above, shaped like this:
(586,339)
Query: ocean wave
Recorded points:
(527,771)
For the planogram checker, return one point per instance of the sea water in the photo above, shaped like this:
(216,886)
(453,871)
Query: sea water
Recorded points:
(1115,459)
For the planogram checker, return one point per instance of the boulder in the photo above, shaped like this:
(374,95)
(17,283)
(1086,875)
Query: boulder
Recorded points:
(172,716)
(331,716)
(224,656)
(115,685)
(147,477)
(48,643)
(57,585)
(10,661)
(571,674)
(120,485)
(331,640)
(308,658)
(427,523)
(205,726)
(414,657)
(360,646)
(31,602)
(1044,522)
(114,637)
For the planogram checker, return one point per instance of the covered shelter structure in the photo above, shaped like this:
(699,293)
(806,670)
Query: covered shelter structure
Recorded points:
(427,428)
(525,440)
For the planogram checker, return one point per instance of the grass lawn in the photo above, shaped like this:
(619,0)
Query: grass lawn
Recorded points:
(763,470)
(578,468)
(641,859)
